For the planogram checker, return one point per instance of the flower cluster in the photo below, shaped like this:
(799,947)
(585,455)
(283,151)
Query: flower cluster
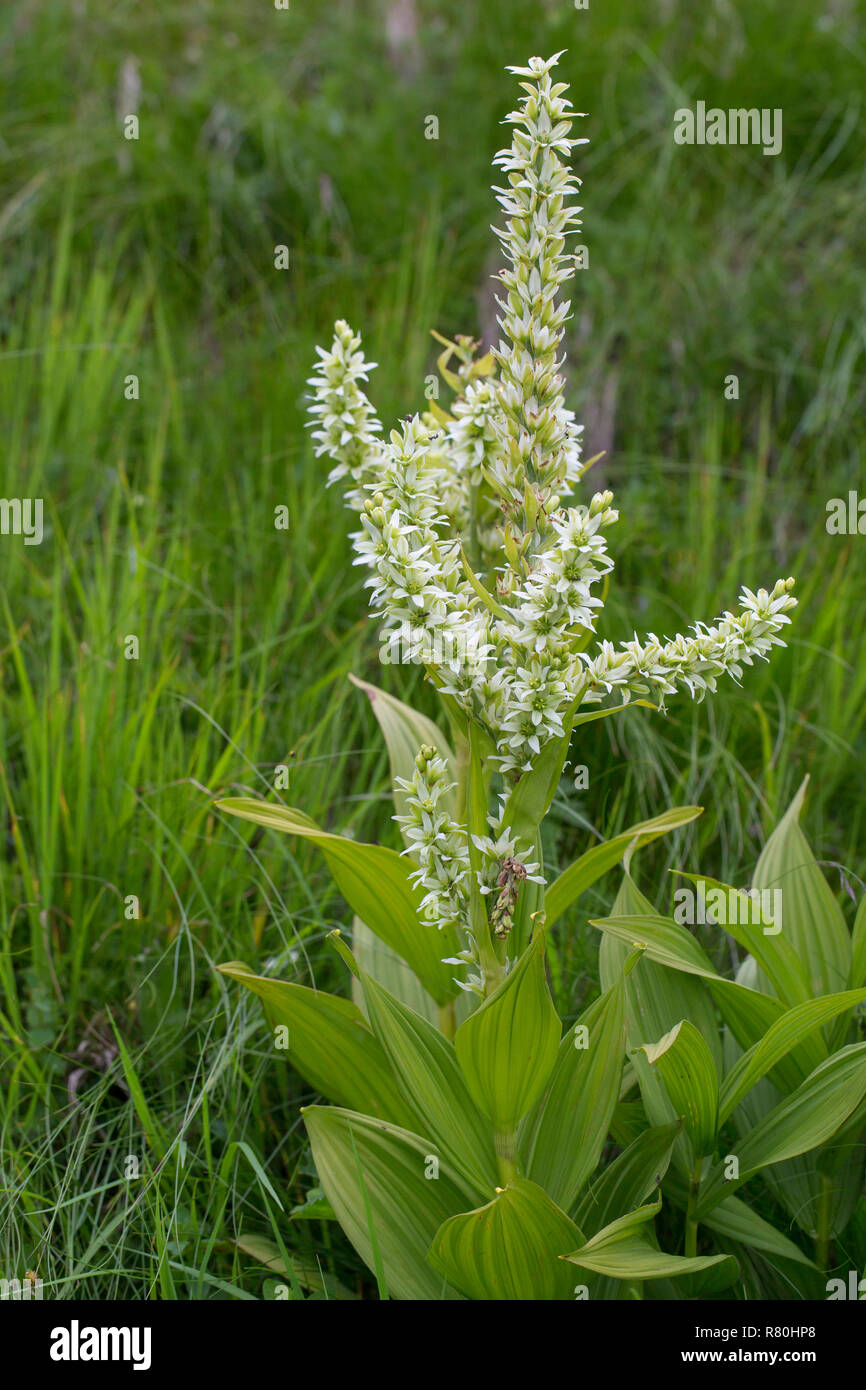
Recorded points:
(478,568)
(436,842)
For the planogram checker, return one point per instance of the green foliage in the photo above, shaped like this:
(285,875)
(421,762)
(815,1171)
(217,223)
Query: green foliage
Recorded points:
(259,127)
(498,1180)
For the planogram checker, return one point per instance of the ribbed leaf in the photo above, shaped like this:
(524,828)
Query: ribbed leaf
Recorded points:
(580,875)
(771,949)
(508,1047)
(798,1123)
(583,1091)
(736,1221)
(378,960)
(373,1174)
(508,1249)
(429,1077)
(749,1014)
(689,1073)
(665,941)
(374,880)
(778,1041)
(406,732)
(629,1180)
(813,920)
(657,998)
(330,1044)
(623,1251)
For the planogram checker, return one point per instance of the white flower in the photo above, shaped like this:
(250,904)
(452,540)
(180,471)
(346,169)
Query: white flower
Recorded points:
(507,641)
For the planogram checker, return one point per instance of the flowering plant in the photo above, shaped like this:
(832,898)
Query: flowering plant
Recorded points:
(458,1159)
(478,568)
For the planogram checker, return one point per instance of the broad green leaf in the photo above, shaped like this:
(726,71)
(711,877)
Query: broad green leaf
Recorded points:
(580,875)
(629,1180)
(628,1122)
(800,1122)
(741,918)
(796,1182)
(657,998)
(508,1249)
(374,880)
(689,1073)
(373,1174)
(778,1041)
(428,1075)
(406,732)
(622,1250)
(508,1047)
(664,940)
(529,802)
(378,960)
(749,1014)
(330,1044)
(813,920)
(735,1220)
(575,1116)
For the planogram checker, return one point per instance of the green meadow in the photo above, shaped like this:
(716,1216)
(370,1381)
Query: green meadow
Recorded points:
(153,360)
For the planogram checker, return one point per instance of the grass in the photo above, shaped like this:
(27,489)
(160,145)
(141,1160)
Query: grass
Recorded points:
(155,258)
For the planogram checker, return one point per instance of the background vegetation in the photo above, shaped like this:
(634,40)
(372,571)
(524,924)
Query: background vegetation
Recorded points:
(155,257)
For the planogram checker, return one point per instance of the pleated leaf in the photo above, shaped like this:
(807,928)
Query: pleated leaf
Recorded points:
(406,732)
(778,1041)
(576,1113)
(800,1122)
(374,880)
(373,1174)
(330,1044)
(749,1014)
(657,999)
(689,1074)
(508,1047)
(580,875)
(429,1077)
(629,1180)
(508,1249)
(812,918)
(622,1250)
(766,940)
(664,940)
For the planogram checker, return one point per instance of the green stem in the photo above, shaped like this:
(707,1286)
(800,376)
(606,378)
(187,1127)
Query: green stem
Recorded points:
(691,1219)
(505,1143)
(448,1019)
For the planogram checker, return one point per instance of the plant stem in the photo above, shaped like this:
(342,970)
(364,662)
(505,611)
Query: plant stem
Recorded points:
(505,1142)
(448,1019)
(691,1219)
